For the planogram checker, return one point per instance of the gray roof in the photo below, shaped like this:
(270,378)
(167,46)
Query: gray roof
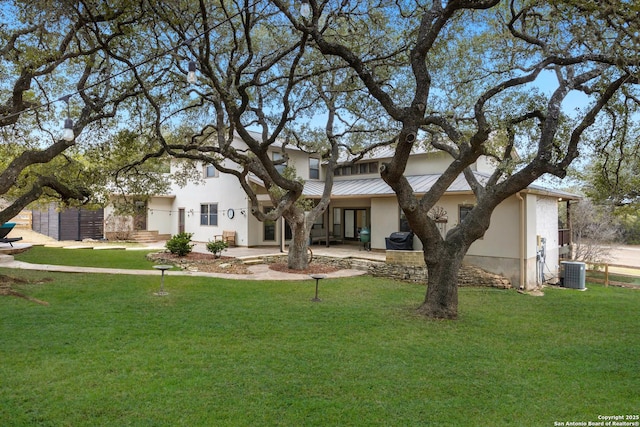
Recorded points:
(372,187)
(377,187)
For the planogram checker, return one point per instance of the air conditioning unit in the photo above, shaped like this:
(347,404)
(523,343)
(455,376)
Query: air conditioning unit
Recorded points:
(573,274)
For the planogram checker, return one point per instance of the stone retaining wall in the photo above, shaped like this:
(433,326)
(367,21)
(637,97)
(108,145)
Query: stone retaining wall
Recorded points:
(407,266)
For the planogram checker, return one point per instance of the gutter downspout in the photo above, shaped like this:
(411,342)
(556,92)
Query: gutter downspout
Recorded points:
(522,242)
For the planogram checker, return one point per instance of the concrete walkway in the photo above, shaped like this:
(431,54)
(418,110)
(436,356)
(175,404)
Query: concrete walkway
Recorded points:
(258,272)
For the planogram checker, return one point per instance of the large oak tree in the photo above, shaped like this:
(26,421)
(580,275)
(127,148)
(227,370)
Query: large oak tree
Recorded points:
(470,78)
(464,74)
(257,83)
(54,66)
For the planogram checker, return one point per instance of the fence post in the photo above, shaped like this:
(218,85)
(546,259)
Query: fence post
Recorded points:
(606,275)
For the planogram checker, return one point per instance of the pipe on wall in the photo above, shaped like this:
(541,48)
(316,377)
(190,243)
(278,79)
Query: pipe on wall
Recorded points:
(522,242)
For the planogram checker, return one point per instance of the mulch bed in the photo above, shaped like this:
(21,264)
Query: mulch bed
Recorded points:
(208,263)
(313,268)
(197,261)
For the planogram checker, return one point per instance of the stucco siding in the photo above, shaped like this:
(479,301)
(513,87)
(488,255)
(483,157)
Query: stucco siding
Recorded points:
(421,164)
(160,216)
(547,228)
(223,191)
(499,250)
(385,219)
(502,239)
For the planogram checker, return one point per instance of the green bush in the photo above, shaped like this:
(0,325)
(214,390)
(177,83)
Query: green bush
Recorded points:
(631,230)
(216,247)
(180,244)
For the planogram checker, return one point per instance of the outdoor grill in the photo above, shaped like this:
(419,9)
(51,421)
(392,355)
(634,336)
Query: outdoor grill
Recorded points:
(400,240)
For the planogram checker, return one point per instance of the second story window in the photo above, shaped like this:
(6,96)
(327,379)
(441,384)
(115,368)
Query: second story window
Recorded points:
(210,171)
(278,156)
(314,168)
(357,169)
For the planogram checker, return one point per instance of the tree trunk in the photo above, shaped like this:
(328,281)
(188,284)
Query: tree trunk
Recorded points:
(298,248)
(441,301)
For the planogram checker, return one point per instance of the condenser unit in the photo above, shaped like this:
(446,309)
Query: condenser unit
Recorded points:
(573,274)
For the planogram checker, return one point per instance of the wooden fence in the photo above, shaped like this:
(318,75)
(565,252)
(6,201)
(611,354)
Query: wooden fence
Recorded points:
(69,224)
(615,270)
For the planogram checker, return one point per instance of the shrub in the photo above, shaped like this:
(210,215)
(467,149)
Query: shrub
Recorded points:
(180,244)
(216,247)
(631,230)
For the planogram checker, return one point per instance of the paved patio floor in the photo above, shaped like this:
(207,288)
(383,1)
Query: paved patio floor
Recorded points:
(30,238)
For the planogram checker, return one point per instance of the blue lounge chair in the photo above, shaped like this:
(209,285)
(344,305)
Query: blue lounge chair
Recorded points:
(6,229)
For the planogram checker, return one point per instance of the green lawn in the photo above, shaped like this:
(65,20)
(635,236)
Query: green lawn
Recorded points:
(105,258)
(214,352)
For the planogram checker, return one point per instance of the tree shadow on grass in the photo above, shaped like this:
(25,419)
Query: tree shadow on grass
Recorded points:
(6,283)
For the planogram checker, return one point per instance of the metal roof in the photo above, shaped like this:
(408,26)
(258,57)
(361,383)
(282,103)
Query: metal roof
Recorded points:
(372,187)
(377,187)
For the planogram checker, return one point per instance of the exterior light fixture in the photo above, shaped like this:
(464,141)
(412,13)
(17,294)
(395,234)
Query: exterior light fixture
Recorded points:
(305,9)
(67,133)
(191,76)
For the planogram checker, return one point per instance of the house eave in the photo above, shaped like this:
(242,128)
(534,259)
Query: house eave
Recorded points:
(562,196)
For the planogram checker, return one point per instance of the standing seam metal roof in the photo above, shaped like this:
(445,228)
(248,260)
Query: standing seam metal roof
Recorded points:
(372,187)
(420,183)
(377,187)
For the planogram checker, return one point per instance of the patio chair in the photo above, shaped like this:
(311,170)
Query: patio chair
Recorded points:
(6,229)
(229,237)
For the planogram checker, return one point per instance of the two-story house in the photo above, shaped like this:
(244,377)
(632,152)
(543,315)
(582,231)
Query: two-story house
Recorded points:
(521,227)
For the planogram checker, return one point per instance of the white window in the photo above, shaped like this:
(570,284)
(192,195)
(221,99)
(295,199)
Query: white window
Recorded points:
(210,171)
(209,214)
(314,168)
